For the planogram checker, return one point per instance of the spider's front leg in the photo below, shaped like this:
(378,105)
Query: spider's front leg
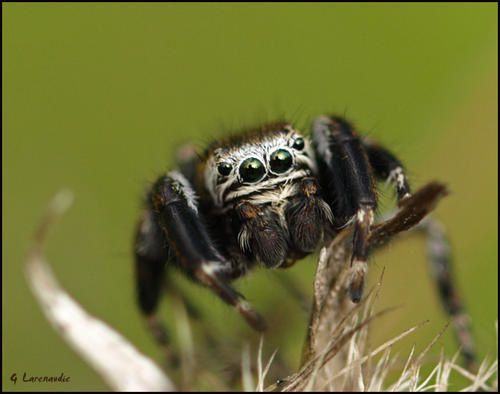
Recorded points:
(174,204)
(347,179)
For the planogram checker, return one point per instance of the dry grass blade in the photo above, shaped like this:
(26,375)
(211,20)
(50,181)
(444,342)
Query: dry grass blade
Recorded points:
(261,374)
(384,347)
(412,369)
(260,381)
(246,369)
(186,343)
(300,380)
(335,353)
(479,381)
(380,371)
(117,361)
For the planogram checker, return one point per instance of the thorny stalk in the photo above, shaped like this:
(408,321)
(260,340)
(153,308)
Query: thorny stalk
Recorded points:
(335,356)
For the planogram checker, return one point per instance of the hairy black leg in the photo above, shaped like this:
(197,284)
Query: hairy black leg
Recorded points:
(386,166)
(151,254)
(175,205)
(440,258)
(347,173)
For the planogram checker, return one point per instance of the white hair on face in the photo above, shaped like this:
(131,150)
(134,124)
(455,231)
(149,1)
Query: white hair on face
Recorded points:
(269,190)
(217,185)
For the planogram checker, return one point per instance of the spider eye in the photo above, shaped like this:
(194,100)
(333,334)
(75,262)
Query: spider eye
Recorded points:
(298,144)
(280,161)
(252,170)
(224,169)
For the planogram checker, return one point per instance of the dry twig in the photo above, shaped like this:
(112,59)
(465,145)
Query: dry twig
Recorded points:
(333,320)
(114,358)
(334,356)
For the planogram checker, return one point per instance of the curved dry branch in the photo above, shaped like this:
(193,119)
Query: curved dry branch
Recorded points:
(112,356)
(334,356)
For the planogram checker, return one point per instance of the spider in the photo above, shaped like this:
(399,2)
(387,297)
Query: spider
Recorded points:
(270,196)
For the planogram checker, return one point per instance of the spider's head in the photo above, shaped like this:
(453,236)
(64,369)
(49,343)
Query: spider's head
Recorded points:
(264,159)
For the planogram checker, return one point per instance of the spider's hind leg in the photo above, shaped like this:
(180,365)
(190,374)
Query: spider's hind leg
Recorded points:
(151,254)
(387,167)
(440,259)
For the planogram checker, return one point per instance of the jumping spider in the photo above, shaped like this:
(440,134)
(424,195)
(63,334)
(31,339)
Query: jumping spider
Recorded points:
(269,195)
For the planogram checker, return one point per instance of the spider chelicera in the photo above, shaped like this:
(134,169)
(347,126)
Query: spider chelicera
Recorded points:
(267,195)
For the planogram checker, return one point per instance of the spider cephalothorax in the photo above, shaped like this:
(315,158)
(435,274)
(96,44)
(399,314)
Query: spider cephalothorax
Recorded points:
(267,181)
(263,161)
(268,195)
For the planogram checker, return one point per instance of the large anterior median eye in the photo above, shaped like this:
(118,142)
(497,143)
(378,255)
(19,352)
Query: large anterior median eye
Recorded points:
(280,161)
(252,170)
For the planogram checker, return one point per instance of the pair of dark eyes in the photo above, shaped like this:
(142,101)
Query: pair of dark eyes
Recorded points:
(252,169)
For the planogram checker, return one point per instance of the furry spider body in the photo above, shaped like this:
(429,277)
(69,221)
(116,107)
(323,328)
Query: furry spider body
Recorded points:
(269,195)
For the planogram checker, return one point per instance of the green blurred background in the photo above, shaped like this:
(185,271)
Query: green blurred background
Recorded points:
(96,98)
